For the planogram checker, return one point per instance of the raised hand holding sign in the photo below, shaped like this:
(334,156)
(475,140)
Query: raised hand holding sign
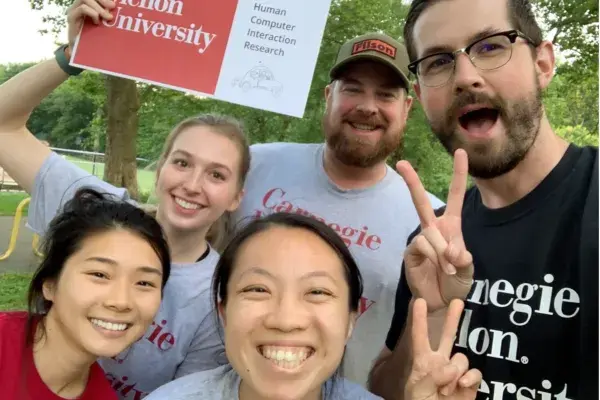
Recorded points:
(434,374)
(438,266)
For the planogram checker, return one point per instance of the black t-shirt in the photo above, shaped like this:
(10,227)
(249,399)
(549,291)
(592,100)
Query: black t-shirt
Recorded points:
(530,323)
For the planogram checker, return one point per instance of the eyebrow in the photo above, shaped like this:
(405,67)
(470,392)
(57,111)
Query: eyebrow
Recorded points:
(189,155)
(142,268)
(473,38)
(264,272)
(387,85)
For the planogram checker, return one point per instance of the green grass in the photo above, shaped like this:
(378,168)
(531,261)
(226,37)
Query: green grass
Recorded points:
(10,201)
(145,178)
(13,291)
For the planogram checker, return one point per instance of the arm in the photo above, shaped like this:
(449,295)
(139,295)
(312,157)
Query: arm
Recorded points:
(21,154)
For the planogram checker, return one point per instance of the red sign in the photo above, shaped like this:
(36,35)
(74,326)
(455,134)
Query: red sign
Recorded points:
(178,43)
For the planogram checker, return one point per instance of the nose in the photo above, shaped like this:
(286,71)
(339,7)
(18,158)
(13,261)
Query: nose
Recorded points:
(466,75)
(119,296)
(367,104)
(194,181)
(287,314)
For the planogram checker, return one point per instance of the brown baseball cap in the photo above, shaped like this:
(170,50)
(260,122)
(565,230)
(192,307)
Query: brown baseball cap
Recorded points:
(377,47)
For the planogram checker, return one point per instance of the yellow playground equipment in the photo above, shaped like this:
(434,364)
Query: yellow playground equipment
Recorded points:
(15,233)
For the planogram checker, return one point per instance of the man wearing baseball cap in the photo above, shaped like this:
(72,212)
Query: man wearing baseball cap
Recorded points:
(346,182)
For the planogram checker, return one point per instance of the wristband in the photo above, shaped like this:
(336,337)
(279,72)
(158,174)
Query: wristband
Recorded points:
(63,63)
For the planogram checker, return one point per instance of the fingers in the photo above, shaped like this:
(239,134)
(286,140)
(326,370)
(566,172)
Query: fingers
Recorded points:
(94,9)
(450,327)
(440,245)
(472,379)
(461,363)
(420,335)
(458,186)
(417,193)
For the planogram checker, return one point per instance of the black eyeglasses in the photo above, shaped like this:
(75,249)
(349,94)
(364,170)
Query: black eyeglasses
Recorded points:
(491,52)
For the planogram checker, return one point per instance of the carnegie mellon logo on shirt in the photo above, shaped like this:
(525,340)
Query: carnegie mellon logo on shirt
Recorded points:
(523,303)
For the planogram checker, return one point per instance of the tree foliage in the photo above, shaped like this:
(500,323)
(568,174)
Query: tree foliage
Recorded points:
(77,115)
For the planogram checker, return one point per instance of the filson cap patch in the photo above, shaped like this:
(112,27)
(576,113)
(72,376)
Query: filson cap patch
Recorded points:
(374,45)
(377,47)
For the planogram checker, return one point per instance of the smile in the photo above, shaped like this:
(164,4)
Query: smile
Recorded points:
(363,127)
(286,357)
(110,326)
(186,204)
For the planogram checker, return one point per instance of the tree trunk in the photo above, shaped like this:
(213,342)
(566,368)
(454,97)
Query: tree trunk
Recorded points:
(120,168)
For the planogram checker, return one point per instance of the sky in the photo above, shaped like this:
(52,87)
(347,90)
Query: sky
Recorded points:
(20,40)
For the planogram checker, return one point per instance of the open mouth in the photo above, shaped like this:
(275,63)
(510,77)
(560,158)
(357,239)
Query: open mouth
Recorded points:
(363,127)
(110,326)
(286,357)
(479,122)
(186,205)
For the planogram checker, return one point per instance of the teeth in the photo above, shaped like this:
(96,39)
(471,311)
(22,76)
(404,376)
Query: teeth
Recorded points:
(286,357)
(186,205)
(109,325)
(363,127)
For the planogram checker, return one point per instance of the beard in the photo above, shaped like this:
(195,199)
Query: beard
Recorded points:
(499,156)
(354,151)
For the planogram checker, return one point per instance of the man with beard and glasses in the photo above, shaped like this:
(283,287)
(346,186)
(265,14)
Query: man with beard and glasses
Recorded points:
(530,223)
(346,182)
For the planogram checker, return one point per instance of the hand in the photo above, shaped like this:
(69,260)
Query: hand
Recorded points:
(94,9)
(434,374)
(438,266)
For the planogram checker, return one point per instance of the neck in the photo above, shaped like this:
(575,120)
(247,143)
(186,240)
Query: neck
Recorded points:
(248,393)
(185,246)
(542,157)
(63,366)
(347,177)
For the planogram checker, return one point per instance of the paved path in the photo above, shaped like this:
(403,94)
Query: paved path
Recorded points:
(22,258)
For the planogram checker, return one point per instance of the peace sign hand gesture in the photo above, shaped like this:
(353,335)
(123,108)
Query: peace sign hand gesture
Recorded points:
(438,266)
(434,374)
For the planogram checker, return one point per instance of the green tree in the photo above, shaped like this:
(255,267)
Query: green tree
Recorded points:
(121,111)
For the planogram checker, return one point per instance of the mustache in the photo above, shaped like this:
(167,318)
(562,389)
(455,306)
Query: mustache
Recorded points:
(468,98)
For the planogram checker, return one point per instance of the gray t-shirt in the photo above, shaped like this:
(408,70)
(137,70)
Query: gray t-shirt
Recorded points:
(223,383)
(374,222)
(185,336)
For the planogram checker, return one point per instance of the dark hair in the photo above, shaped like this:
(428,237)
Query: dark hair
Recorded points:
(225,265)
(519,11)
(87,213)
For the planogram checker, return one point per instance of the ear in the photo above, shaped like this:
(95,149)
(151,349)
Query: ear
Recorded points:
(545,63)
(417,90)
(221,310)
(49,289)
(351,324)
(236,201)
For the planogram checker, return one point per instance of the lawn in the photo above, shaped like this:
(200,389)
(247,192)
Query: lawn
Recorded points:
(13,291)
(9,202)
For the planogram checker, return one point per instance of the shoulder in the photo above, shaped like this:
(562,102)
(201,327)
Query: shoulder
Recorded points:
(208,384)
(399,187)
(12,321)
(276,151)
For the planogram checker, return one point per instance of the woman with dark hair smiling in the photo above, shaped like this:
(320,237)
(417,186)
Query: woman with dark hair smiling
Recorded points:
(287,291)
(100,284)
